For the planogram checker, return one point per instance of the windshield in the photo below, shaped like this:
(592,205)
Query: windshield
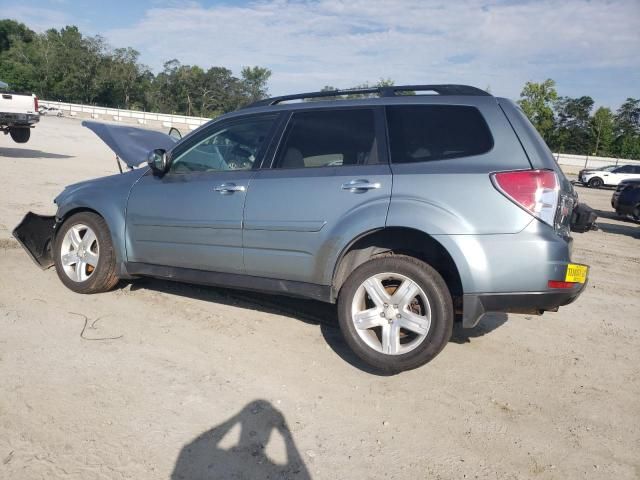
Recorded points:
(608,168)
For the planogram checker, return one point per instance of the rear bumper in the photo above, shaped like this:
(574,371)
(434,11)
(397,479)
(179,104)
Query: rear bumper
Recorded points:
(18,119)
(35,233)
(475,306)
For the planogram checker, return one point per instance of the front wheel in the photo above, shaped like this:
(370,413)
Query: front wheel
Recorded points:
(83,254)
(395,313)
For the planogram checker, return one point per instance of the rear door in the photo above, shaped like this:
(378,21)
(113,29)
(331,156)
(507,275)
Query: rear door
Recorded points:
(625,172)
(328,179)
(628,172)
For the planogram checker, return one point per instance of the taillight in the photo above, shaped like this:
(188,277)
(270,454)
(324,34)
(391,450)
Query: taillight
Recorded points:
(35,104)
(536,191)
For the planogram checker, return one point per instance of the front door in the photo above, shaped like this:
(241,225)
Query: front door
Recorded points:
(329,181)
(192,216)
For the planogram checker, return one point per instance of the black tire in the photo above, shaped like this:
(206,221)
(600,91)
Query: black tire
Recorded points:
(636,213)
(20,134)
(104,276)
(596,182)
(439,297)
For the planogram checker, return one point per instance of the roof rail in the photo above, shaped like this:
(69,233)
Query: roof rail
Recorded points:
(387,91)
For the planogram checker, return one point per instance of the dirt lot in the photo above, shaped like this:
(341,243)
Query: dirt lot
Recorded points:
(157,380)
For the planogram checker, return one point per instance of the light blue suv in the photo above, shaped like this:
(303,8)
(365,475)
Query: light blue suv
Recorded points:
(409,207)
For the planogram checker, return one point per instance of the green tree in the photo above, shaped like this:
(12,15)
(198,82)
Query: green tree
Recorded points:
(601,131)
(255,81)
(123,78)
(627,129)
(12,31)
(573,129)
(537,100)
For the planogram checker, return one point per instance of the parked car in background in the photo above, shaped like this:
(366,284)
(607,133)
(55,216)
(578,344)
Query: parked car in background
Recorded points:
(626,199)
(611,175)
(360,202)
(46,110)
(18,113)
(584,171)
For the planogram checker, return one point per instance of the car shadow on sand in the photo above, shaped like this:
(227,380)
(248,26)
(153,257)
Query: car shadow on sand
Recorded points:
(323,314)
(488,323)
(628,226)
(29,153)
(631,231)
(219,453)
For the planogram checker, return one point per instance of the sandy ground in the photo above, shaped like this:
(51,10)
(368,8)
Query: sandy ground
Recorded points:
(158,380)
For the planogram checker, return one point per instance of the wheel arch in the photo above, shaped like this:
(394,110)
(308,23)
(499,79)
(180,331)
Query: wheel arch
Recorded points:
(596,177)
(401,241)
(62,217)
(64,214)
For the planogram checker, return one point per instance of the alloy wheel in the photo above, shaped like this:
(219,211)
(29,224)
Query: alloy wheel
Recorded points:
(391,313)
(79,252)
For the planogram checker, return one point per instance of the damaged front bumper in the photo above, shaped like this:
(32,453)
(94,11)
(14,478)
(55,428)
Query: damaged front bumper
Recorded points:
(35,233)
(583,218)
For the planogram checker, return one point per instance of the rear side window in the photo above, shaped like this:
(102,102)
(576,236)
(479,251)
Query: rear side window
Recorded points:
(420,133)
(626,169)
(329,138)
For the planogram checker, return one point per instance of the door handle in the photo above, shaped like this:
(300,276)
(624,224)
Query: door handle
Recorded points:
(227,188)
(360,185)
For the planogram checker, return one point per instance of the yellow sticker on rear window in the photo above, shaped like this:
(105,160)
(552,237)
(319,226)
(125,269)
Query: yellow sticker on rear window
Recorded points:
(576,273)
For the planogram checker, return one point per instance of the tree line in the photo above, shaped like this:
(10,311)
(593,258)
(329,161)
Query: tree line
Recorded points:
(570,125)
(68,66)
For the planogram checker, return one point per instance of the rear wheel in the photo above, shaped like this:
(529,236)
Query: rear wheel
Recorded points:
(20,134)
(395,313)
(596,182)
(636,213)
(83,254)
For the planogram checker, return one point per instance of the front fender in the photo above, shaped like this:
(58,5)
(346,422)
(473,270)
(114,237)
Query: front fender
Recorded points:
(105,196)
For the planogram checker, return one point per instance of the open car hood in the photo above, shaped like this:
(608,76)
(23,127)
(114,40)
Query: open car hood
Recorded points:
(130,144)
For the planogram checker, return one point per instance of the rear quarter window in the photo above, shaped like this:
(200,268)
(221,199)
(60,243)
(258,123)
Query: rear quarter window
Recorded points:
(420,133)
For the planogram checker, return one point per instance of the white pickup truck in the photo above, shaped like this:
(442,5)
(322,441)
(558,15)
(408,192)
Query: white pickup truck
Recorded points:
(18,113)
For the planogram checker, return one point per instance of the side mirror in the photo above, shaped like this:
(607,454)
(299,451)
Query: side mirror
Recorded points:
(158,161)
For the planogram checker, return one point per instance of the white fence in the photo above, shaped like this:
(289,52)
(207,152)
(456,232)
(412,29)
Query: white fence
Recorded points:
(577,162)
(129,116)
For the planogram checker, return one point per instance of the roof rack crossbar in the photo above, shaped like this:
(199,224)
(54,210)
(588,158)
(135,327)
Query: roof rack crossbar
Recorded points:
(387,91)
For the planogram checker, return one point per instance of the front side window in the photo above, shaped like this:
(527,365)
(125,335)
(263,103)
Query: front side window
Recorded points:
(329,138)
(234,146)
(420,133)
(624,169)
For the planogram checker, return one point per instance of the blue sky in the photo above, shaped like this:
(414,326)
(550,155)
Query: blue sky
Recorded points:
(588,47)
